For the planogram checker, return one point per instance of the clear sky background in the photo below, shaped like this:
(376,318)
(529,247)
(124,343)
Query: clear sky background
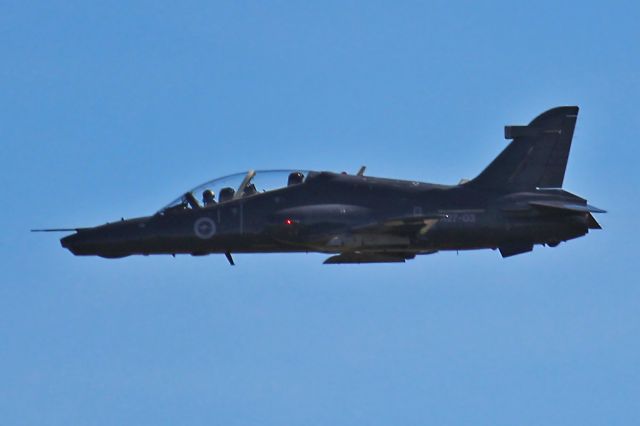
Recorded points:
(113,109)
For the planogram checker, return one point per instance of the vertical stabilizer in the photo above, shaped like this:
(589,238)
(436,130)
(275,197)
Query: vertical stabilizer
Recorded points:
(537,155)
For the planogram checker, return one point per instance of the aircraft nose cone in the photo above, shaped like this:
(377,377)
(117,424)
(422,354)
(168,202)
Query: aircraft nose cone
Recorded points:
(72,242)
(109,240)
(84,242)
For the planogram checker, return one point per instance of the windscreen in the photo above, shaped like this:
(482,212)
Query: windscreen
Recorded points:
(235,186)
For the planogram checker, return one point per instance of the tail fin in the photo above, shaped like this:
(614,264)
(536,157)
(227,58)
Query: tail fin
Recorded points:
(537,156)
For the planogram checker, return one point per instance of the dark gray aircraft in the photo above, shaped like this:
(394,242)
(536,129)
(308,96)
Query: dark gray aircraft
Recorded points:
(515,203)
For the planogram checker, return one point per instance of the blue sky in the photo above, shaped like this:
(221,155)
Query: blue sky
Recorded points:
(112,109)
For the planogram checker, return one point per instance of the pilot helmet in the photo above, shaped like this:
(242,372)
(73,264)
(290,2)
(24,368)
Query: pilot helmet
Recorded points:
(208,196)
(295,178)
(226,194)
(250,189)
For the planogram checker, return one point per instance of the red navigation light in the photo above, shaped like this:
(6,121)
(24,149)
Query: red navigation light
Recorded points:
(288,221)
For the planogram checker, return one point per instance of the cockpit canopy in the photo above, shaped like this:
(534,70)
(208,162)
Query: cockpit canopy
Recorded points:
(236,186)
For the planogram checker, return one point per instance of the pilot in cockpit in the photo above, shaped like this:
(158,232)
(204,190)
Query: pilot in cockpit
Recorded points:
(295,178)
(250,189)
(208,198)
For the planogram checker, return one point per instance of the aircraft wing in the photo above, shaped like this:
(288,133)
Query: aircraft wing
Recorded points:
(567,206)
(407,225)
(374,257)
(369,257)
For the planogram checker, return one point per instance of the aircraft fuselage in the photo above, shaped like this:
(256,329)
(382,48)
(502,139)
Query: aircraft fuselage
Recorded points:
(321,215)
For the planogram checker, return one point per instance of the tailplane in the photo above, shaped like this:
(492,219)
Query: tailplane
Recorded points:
(537,155)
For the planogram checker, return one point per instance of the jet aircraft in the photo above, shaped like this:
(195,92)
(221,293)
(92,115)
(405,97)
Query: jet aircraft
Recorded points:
(515,203)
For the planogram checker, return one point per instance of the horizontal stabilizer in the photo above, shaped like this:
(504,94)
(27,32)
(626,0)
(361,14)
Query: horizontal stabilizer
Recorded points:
(568,206)
(355,257)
